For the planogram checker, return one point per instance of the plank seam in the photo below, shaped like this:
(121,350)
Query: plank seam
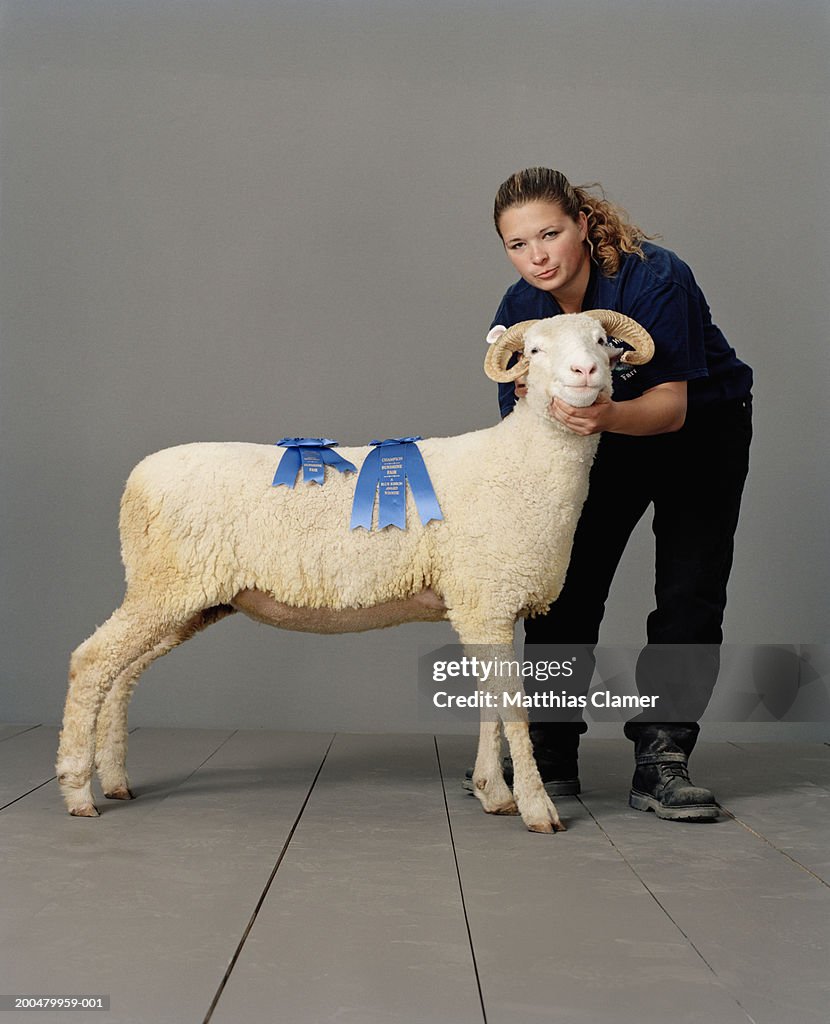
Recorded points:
(40,785)
(28,792)
(653,895)
(213,754)
(53,778)
(460,885)
(763,838)
(252,920)
(22,732)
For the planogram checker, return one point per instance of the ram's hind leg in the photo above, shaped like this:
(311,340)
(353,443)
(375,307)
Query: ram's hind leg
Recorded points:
(111,727)
(131,632)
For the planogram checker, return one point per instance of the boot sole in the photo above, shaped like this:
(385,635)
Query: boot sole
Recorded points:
(563,787)
(695,812)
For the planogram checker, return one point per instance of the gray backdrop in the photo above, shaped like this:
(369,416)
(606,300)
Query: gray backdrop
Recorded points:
(239,220)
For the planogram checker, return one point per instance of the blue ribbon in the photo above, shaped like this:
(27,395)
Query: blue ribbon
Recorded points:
(386,470)
(313,454)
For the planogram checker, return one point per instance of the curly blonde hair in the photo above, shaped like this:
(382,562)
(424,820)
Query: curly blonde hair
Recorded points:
(610,232)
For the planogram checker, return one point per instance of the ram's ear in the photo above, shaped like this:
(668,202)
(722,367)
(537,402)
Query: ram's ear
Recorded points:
(495,333)
(615,354)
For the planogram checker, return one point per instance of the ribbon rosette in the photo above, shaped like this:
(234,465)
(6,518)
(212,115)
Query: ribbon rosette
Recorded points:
(386,470)
(313,454)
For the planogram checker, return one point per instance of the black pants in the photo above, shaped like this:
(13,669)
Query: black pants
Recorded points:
(694,478)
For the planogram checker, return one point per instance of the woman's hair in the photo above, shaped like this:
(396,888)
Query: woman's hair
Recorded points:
(610,232)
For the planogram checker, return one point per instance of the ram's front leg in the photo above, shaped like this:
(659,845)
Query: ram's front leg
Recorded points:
(504,693)
(535,806)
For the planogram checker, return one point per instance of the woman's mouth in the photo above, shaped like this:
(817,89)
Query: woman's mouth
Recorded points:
(546,275)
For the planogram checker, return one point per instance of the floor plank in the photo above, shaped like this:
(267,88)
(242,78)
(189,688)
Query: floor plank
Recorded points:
(27,760)
(147,903)
(757,918)
(8,730)
(363,924)
(810,761)
(621,919)
(564,930)
(770,788)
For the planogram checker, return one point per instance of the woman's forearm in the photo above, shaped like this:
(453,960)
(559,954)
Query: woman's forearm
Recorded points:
(660,410)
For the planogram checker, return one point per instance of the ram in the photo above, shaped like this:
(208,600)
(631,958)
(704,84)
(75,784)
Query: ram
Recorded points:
(205,534)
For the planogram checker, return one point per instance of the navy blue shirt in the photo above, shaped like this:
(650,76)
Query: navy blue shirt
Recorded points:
(661,294)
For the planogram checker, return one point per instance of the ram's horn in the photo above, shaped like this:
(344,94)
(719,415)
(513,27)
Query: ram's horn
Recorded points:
(617,325)
(499,353)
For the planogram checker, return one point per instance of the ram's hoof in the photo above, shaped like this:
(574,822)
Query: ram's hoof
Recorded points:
(120,793)
(86,811)
(546,827)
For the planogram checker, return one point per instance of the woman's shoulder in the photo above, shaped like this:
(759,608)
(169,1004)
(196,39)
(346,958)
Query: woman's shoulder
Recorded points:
(658,266)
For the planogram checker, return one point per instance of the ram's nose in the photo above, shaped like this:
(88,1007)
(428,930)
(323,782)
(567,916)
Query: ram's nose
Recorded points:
(586,373)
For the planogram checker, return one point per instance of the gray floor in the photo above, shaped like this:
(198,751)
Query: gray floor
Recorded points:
(307,878)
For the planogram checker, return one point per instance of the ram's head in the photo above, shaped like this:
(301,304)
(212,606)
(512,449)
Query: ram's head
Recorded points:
(566,356)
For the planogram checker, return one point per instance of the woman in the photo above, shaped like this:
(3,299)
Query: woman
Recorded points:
(675,436)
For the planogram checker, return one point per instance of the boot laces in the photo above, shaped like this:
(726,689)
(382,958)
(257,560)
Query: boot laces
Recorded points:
(674,769)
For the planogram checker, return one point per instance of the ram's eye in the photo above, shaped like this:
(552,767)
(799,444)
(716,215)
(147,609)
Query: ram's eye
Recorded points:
(533,351)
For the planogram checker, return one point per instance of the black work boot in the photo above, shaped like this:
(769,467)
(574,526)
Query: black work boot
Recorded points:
(661,780)
(556,749)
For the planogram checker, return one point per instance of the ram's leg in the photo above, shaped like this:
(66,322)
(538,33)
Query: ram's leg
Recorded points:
(111,732)
(488,778)
(535,806)
(111,727)
(505,687)
(127,636)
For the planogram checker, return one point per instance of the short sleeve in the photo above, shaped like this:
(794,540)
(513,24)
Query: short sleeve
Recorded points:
(674,319)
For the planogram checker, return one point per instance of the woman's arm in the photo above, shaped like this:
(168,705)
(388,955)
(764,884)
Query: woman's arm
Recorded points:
(660,410)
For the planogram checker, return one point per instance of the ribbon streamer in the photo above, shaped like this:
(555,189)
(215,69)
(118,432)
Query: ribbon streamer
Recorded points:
(312,454)
(386,470)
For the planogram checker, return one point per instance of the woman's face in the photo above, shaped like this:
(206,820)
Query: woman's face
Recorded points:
(548,249)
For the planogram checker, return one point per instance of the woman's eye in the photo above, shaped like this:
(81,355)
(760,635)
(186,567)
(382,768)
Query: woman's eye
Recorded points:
(551,234)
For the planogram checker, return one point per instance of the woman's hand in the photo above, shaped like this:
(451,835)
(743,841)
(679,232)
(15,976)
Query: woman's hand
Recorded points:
(660,410)
(590,420)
